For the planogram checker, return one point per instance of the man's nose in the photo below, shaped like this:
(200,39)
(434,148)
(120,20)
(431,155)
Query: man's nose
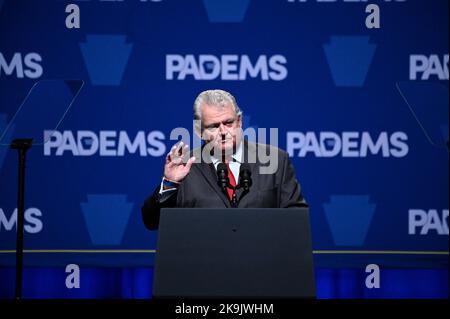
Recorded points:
(222,129)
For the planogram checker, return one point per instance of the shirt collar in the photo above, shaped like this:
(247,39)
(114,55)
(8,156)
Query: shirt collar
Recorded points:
(237,156)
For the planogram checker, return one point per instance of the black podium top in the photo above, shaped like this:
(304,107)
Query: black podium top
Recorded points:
(229,253)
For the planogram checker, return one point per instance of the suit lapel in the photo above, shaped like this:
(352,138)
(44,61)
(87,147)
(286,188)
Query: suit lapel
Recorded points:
(209,173)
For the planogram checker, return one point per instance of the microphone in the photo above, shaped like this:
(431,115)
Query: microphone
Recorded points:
(245,177)
(222,176)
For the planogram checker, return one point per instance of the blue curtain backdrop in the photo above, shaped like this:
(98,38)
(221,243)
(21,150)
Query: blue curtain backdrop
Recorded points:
(130,283)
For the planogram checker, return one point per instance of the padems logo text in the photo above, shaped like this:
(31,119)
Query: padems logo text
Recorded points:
(226,67)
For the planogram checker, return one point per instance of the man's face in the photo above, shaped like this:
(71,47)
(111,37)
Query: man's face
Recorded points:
(221,127)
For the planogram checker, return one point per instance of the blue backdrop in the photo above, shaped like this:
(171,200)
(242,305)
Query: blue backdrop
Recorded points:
(363,113)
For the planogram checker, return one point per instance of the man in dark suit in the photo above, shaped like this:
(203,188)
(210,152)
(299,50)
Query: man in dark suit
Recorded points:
(190,178)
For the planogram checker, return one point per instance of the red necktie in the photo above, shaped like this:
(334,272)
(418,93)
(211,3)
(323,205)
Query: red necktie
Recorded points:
(232,181)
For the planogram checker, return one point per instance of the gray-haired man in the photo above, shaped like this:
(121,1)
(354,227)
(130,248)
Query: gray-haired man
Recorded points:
(190,178)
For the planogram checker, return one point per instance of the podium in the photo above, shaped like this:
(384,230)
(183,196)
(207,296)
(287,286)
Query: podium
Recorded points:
(234,253)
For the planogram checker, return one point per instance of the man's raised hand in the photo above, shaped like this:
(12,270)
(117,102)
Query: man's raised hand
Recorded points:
(178,164)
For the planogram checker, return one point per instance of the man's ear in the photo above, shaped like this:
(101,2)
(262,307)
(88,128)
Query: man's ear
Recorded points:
(198,128)
(198,133)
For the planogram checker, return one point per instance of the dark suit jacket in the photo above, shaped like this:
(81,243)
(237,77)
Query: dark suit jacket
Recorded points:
(200,188)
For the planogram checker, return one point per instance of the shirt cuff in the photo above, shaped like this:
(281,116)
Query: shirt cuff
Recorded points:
(164,194)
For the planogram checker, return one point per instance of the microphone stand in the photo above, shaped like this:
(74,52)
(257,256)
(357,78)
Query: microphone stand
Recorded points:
(234,201)
(22,146)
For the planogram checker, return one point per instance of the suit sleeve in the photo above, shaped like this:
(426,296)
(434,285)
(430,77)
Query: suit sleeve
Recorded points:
(153,204)
(290,190)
